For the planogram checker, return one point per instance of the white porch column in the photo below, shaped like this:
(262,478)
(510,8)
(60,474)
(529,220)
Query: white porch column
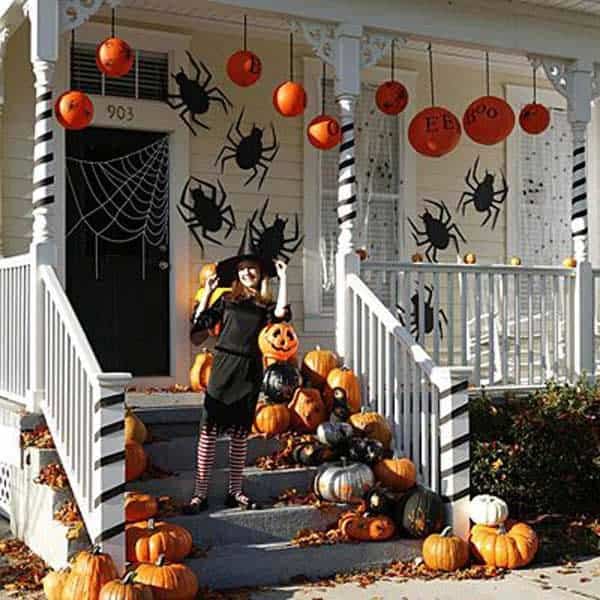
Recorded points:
(4,35)
(44,18)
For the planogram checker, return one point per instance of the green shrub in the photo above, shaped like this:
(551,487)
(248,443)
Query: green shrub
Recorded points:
(542,454)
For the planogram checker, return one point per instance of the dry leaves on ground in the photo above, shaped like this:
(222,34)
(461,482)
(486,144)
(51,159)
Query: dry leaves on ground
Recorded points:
(282,458)
(24,571)
(39,437)
(234,594)
(53,475)
(68,514)
(168,507)
(176,388)
(291,497)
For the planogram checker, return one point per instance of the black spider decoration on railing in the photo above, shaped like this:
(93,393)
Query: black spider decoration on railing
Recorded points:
(193,96)
(249,152)
(271,241)
(437,231)
(206,212)
(483,195)
(428,316)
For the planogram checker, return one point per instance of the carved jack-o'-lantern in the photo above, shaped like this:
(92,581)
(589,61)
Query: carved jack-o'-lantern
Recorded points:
(278,342)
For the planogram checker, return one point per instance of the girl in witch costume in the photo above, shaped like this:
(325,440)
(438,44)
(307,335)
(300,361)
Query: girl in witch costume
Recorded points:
(234,384)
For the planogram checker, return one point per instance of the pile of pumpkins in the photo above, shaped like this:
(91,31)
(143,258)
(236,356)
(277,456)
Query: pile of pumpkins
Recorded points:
(136,434)
(493,541)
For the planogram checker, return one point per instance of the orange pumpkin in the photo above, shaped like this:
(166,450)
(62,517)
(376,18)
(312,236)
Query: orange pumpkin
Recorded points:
(271,419)
(498,547)
(244,68)
(126,589)
(139,506)
(147,540)
(54,582)
(434,131)
(134,428)
(397,474)
(391,97)
(373,426)
(317,365)
(74,110)
(201,370)
(488,120)
(570,262)
(114,57)
(278,342)
(417,258)
(359,527)
(307,410)
(168,581)
(324,132)
(469,258)
(135,460)
(89,572)
(346,379)
(444,551)
(289,99)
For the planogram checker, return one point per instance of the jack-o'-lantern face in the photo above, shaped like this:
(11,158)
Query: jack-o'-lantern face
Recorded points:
(278,341)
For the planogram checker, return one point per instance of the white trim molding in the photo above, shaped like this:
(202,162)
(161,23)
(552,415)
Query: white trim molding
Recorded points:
(74,13)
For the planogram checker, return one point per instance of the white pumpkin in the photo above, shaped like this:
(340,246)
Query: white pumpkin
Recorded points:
(488,510)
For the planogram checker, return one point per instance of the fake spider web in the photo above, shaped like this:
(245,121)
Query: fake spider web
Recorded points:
(123,199)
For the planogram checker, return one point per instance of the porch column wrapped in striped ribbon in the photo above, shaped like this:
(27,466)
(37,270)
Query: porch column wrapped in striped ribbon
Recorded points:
(579,209)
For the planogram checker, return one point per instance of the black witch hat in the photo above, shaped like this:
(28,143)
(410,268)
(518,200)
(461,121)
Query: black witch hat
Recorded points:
(227,269)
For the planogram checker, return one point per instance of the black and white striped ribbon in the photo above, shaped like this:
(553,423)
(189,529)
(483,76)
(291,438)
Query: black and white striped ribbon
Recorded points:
(346,205)
(579,218)
(43,150)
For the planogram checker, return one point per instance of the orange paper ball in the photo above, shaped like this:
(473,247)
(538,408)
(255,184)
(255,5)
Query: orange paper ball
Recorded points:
(488,120)
(114,57)
(434,131)
(324,132)
(534,118)
(289,99)
(391,97)
(244,68)
(74,110)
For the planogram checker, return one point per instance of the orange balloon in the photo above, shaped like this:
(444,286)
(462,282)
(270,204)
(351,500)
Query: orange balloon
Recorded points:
(289,99)
(74,110)
(244,68)
(114,57)
(488,120)
(391,97)
(324,132)
(534,118)
(434,131)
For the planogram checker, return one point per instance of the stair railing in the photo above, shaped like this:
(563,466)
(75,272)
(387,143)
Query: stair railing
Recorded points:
(426,405)
(84,410)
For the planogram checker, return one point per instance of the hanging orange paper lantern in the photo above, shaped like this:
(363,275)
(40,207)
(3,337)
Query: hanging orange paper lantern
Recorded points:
(534,118)
(391,97)
(324,132)
(244,68)
(114,57)
(74,110)
(289,99)
(488,120)
(434,131)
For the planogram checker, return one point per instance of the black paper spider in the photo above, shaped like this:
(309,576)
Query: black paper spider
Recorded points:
(194,96)
(483,195)
(271,241)
(249,152)
(428,323)
(437,231)
(206,212)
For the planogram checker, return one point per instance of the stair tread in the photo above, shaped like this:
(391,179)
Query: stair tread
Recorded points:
(248,472)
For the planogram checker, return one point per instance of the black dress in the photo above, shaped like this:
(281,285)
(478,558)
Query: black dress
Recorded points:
(236,376)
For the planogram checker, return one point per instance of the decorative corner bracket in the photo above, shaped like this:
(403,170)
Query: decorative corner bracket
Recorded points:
(4,35)
(74,13)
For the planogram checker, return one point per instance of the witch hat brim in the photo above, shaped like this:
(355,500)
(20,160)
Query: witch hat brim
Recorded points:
(227,269)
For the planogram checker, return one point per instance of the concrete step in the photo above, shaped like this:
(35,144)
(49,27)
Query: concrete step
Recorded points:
(231,566)
(235,526)
(165,420)
(264,486)
(179,453)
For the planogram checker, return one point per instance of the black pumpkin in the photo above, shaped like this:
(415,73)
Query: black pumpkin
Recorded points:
(421,512)
(365,450)
(334,434)
(380,501)
(309,454)
(280,380)
(340,412)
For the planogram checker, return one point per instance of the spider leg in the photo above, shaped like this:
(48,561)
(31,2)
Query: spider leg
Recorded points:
(419,244)
(252,177)
(195,234)
(194,64)
(429,291)
(195,119)
(221,202)
(467,177)
(475,167)
(172,104)
(208,74)
(438,204)
(225,147)
(210,239)
(460,202)
(274,144)
(415,228)
(265,169)
(453,237)
(188,220)
(261,216)
(495,216)
(239,122)
(284,256)
(430,247)
(489,216)
(230,222)
(190,207)
(182,115)
(454,227)
(271,157)
(225,159)
(295,246)
(220,97)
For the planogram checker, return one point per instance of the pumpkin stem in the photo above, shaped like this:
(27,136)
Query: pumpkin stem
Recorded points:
(447,532)
(161,560)
(151,525)
(501,529)
(128,578)
(96,550)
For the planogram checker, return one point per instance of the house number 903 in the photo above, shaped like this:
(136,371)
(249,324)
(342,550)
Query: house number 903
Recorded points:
(120,112)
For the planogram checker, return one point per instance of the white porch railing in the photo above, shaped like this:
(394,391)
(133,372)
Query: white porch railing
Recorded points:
(513,325)
(427,405)
(15,275)
(84,409)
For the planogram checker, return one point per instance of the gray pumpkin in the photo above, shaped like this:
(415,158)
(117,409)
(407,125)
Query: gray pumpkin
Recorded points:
(343,481)
(333,434)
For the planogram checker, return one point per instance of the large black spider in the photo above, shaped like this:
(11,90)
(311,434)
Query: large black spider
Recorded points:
(207,213)
(271,241)
(249,152)
(483,195)
(428,323)
(437,230)
(194,96)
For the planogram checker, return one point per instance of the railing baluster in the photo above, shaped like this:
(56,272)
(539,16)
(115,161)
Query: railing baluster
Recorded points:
(530,330)
(389,374)
(491,330)
(555,327)
(464,292)
(478,317)
(544,329)
(364,341)
(436,317)
(517,280)
(450,315)
(372,359)
(425,433)
(355,333)
(406,404)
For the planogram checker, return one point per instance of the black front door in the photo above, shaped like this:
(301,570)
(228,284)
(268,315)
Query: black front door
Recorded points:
(117,223)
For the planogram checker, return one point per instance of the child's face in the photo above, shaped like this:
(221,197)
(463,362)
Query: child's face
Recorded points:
(249,275)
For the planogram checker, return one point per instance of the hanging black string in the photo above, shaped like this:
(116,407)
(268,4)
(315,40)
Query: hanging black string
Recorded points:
(487,72)
(113,22)
(393,65)
(323,88)
(74,80)
(431,74)
(245,34)
(291,57)
(534,85)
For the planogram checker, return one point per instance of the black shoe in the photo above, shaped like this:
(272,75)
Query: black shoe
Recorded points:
(241,501)
(195,506)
